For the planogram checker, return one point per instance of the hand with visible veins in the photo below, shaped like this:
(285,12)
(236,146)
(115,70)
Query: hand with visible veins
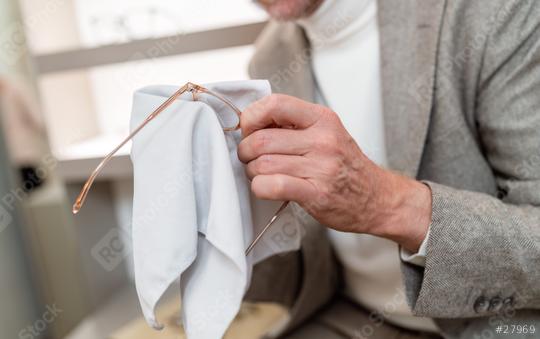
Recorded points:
(298,151)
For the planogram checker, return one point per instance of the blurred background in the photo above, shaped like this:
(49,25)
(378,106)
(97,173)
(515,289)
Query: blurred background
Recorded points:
(68,69)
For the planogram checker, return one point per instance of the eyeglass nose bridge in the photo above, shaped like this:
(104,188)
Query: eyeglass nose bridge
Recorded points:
(195,90)
(191,88)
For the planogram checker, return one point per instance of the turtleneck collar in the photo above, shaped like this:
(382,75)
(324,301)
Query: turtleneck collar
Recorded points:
(336,20)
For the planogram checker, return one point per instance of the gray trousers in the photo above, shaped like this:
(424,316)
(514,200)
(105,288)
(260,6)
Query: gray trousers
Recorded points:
(345,319)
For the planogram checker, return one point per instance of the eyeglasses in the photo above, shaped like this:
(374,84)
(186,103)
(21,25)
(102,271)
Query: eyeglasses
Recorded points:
(227,123)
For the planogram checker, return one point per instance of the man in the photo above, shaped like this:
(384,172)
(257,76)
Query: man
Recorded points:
(411,130)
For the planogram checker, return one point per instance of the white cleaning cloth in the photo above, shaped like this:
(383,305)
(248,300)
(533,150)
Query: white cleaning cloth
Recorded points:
(193,216)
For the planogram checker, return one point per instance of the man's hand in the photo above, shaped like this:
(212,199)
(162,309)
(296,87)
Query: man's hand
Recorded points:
(298,151)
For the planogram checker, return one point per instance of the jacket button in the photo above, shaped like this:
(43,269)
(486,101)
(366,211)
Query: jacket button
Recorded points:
(508,303)
(501,193)
(495,304)
(481,305)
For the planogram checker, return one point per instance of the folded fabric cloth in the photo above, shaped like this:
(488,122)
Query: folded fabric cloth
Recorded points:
(193,215)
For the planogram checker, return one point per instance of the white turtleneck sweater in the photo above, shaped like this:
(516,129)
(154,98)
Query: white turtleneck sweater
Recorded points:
(344,36)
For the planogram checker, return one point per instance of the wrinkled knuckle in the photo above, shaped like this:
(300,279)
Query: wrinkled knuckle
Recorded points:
(272,103)
(331,114)
(333,169)
(327,142)
(323,198)
(261,141)
(264,164)
(325,112)
(257,107)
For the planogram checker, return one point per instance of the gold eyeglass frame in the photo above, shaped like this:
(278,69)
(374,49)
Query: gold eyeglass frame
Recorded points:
(195,90)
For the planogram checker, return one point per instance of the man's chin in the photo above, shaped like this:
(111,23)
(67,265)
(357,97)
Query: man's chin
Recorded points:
(289,9)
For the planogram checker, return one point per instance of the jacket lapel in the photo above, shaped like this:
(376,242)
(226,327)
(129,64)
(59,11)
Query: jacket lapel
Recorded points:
(409,34)
(283,57)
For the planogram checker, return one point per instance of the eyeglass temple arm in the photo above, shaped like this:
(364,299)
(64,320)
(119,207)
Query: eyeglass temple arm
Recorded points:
(88,184)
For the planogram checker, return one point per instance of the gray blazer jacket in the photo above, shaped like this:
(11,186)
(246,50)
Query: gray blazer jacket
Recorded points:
(461,97)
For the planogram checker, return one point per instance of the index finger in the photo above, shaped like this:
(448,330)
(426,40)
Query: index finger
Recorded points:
(278,109)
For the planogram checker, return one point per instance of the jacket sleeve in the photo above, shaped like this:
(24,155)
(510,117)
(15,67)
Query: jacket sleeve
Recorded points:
(483,253)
